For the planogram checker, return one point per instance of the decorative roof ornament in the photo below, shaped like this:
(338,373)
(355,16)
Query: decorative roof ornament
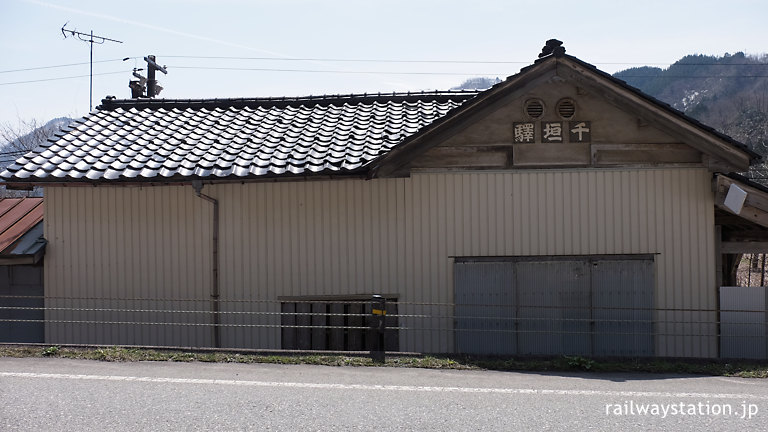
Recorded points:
(553,46)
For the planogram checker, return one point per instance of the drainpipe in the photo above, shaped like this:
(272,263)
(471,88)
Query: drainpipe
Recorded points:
(197,185)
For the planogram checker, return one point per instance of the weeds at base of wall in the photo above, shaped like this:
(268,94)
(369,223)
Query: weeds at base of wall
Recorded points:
(558,364)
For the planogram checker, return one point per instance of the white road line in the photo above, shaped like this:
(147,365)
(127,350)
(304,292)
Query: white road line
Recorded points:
(747,381)
(742,396)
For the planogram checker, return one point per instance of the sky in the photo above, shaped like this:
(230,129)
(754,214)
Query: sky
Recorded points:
(242,48)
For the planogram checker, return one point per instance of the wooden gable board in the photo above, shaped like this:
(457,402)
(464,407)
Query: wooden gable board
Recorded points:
(668,120)
(618,138)
(628,129)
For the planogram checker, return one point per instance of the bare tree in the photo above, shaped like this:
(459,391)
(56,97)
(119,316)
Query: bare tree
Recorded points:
(24,136)
(18,139)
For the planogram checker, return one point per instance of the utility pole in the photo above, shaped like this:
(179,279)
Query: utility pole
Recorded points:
(152,88)
(90,39)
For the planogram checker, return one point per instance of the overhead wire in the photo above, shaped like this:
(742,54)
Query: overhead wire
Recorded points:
(334,71)
(61,78)
(438,61)
(370,60)
(341,60)
(63,65)
(12,155)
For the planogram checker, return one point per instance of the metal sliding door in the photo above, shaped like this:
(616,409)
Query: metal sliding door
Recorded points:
(622,302)
(485,307)
(583,305)
(554,307)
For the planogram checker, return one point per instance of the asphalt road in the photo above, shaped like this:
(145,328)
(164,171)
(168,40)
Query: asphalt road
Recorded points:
(74,395)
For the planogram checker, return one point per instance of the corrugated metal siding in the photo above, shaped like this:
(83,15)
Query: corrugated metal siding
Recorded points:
(622,297)
(387,235)
(554,301)
(485,308)
(563,305)
(139,249)
(744,321)
(21,286)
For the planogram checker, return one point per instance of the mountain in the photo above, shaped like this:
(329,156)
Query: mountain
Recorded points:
(15,141)
(729,93)
(477,83)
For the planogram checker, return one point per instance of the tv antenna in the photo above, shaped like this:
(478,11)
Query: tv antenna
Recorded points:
(90,39)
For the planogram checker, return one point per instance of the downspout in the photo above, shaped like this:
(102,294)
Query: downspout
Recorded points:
(197,185)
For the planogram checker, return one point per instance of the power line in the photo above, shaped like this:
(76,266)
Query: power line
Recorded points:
(61,78)
(692,76)
(441,61)
(328,71)
(347,60)
(368,72)
(685,64)
(63,65)
(371,72)
(335,71)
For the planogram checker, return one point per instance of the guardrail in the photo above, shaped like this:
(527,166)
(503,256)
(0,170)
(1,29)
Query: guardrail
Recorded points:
(384,324)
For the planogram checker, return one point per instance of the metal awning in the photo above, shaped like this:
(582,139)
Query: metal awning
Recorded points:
(21,231)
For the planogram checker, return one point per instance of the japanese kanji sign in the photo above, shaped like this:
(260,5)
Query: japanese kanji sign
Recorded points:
(524,132)
(580,131)
(547,132)
(551,132)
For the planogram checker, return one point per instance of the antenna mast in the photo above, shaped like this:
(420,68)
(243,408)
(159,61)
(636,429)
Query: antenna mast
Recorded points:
(90,39)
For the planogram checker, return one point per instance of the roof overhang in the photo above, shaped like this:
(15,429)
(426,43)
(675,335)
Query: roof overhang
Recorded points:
(21,231)
(723,153)
(755,207)
(744,230)
(734,155)
(27,249)
(13,184)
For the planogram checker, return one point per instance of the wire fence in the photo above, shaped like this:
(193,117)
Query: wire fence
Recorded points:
(350,325)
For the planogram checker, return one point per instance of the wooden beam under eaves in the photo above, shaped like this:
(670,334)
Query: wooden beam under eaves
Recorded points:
(755,205)
(746,247)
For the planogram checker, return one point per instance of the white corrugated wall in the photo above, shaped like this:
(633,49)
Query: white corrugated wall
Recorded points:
(133,249)
(394,236)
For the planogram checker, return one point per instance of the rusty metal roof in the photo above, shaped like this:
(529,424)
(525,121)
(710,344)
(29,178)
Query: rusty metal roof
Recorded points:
(19,216)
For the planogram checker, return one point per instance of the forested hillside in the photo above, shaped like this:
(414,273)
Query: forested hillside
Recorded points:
(729,93)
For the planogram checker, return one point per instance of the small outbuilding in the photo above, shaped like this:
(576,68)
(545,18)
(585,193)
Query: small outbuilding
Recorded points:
(559,212)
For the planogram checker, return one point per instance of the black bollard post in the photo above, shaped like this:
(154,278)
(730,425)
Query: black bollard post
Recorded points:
(378,328)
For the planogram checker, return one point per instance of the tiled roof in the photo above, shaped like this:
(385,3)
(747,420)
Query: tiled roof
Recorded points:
(146,140)
(17,217)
